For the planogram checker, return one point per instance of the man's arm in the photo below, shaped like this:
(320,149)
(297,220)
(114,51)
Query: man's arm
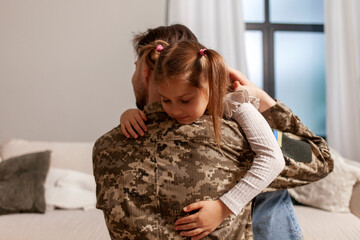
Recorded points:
(299,169)
(297,172)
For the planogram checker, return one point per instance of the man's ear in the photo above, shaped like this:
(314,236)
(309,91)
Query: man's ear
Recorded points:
(146,72)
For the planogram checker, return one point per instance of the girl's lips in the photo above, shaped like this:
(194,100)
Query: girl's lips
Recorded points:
(181,118)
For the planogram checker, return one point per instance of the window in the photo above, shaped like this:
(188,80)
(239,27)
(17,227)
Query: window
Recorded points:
(285,50)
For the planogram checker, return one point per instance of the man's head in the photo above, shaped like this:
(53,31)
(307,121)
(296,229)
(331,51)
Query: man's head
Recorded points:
(142,79)
(170,34)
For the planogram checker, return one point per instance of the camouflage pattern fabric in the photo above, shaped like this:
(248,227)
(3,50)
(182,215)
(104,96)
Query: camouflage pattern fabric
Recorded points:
(143,184)
(296,173)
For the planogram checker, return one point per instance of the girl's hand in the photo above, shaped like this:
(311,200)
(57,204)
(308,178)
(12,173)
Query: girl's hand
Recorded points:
(207,219)
(240,82)
(133,120)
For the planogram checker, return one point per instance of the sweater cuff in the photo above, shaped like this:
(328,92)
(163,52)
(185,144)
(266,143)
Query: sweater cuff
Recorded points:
(235,99)
(235,207)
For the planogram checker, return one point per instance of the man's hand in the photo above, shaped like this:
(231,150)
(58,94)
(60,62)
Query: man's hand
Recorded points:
(240,82)
(207,219)
(132,121)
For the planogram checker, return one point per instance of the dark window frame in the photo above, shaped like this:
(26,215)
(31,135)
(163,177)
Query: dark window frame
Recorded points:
(268,29)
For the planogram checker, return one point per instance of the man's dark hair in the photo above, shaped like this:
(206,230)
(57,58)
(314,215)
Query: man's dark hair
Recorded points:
(170,34)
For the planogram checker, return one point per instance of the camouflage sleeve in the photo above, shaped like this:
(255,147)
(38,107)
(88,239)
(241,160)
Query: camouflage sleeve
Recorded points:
(298,172)
(99,177)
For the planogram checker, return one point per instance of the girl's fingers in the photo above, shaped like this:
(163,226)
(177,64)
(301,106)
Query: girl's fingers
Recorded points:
(141,122)
(236,75)
(186,226)
(186,220)
(195,232)
(233,77)
(143,115)
(192,207)
(130,130)
(123,129)
(137,127)
(237,86)
(200,236)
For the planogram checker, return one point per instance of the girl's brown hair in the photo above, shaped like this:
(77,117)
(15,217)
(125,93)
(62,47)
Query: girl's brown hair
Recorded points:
(149,54)
(183,60)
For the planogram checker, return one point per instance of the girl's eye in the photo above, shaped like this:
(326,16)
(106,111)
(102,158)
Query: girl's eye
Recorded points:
(165,100)
(185,101)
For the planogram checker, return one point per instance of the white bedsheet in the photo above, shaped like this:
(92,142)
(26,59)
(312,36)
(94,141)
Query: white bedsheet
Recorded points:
(55,225)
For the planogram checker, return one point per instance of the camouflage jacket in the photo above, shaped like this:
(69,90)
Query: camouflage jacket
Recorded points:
(303,170)
(143,184)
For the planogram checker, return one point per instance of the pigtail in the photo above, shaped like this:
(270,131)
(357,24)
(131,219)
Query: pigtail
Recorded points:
(151,52)
(218,84)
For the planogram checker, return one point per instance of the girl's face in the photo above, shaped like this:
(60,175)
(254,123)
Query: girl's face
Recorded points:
(183,101)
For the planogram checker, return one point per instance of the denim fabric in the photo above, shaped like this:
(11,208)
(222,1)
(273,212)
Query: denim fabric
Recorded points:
(274,217)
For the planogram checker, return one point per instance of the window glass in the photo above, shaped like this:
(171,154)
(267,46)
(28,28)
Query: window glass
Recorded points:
(297,11)
(254,11)
(300,76)
(254,56)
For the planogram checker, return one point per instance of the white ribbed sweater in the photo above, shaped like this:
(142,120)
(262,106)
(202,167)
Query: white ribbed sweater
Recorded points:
(268,161)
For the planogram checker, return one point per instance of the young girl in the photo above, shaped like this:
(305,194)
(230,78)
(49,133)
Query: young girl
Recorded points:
(193,81)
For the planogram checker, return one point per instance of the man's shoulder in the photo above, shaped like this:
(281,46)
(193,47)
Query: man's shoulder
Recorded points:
(200,131)
(166,129)
(114,136)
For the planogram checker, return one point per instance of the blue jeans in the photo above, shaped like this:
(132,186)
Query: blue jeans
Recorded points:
(274,217)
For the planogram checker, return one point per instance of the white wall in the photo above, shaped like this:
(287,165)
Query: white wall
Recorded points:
(66,65)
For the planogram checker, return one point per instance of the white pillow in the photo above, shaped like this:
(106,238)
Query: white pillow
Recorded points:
(69,189)
(332,193)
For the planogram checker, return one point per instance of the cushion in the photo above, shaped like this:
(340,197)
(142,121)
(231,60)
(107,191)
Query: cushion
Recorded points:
(332,193)
(69,155)
(317,224)
(22,183)
(355,200)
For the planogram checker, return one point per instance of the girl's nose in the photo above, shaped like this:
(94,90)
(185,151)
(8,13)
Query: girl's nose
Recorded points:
(176,111)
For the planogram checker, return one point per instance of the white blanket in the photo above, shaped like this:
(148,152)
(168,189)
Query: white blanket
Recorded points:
(69,189)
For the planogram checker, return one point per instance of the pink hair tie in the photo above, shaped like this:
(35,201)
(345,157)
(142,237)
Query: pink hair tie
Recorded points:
(159,48)
(202,52)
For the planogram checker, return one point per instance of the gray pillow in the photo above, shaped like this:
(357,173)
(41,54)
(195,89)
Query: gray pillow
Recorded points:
(22,181)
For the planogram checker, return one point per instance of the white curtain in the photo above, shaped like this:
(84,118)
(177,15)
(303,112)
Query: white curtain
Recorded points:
(218,24)
(342,32)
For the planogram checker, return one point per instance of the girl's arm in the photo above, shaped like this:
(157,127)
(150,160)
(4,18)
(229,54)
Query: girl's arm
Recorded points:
(132,123)
(268,161)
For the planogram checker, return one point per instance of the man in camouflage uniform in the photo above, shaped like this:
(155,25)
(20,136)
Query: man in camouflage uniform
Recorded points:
(143,184)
